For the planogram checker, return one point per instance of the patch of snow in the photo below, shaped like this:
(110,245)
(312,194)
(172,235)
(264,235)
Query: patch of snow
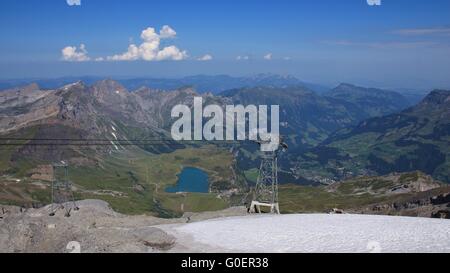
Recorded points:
(67,86)
(114,135)
(114,129)
(316,233)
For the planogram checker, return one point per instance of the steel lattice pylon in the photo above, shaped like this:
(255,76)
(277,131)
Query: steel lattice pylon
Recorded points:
(62,194)
(266,190)
(265,193)
(267,182)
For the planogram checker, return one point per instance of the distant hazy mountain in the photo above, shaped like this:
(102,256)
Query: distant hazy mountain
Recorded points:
(201,83)
(413,96)
(313,117)
(308,118)
(417,138)
(372,101)
(47,83)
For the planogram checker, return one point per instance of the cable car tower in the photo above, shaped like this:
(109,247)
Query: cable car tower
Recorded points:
(266,190)
(62,194)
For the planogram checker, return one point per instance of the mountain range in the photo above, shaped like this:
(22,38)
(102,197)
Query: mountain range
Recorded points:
(109,134)
(201,83)
(417,138)
(308,120)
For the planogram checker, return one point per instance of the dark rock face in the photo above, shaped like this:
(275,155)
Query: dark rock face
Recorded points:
(441,199)
(442,214)
(425,204)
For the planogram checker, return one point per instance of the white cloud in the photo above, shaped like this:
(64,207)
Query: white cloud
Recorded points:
(131,55)
(268,56)
(149,35)
(206,57)
(171,53)
(287,58)
(99,59)
(424,31)
(73,2)
(167,32)
(244,58)
(383,45)
(73,54)
(150,49)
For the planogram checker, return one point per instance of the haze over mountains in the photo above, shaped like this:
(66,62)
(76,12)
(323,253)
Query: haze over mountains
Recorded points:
(308,120)
(118,140)
(372,101)
(201,83)
(417,138)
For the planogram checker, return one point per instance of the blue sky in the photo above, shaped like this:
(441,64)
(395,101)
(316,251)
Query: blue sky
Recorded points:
(402,43)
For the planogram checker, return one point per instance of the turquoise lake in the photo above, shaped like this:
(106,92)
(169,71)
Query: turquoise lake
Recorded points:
(190,180)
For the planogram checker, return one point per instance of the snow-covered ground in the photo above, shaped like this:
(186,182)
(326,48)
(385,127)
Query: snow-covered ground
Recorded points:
(314,233)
